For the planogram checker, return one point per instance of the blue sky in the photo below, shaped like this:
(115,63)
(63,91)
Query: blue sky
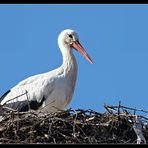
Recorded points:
(115,36)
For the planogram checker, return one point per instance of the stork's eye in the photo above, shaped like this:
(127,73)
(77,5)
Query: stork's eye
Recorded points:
(70,36)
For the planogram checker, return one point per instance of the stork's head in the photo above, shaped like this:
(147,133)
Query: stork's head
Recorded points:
(68,39)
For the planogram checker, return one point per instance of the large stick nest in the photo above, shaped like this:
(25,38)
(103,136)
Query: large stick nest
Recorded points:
(71,126)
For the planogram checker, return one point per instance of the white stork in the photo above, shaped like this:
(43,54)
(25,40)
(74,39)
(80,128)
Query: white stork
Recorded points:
(50,91)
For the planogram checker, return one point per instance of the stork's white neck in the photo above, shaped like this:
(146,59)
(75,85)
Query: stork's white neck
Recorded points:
(69,61)
(69,68)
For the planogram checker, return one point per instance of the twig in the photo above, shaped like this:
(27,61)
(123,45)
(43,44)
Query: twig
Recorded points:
(28,101)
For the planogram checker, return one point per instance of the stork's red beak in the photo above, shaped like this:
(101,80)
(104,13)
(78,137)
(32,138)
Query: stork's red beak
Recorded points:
(79,48)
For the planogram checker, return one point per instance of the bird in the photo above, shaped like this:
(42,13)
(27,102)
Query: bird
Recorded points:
(51,91)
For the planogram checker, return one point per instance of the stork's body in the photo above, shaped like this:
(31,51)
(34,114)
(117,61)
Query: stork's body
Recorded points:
(51,91)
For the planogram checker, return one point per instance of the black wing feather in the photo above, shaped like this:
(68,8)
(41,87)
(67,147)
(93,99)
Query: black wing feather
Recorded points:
(32,104)
(23,106)
(4,95)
